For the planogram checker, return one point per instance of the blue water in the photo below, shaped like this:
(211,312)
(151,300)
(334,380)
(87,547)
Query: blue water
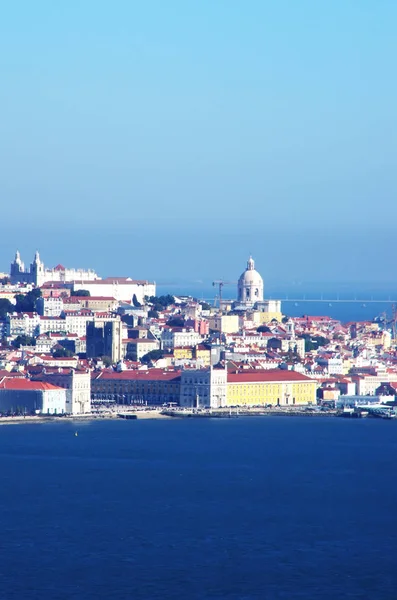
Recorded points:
(249,508)
(337,307)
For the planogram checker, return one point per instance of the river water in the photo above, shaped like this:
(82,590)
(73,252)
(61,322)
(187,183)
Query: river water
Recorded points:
(248,508)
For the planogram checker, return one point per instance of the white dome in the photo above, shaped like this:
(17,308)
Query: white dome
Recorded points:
(250,285)
(251,277)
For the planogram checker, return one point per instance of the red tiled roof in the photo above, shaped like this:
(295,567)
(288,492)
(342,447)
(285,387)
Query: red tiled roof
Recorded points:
(27,384)
(266,375)
(59,268)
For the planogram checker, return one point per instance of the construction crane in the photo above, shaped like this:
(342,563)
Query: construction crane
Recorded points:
(220,283)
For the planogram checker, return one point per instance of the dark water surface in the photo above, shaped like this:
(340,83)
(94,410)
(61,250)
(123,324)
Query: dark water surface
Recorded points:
(241,509)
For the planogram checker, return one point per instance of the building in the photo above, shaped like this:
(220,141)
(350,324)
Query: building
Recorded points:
(51,306)
(123,289)
(225,323)
(250,286)
(96,303)
(203,388)
(22,324)
(267,311)
(136,348)
(38,274)
(179,337)
(76,383)
(105,338)
(276,387)
(152,387)
(23,396)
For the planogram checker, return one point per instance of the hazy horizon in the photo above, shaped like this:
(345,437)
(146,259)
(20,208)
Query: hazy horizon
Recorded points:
(168,141)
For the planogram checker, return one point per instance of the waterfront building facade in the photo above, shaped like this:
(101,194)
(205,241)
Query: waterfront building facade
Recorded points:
(275,387)
(203,388)
(22,396)
(76,383)
(153,387)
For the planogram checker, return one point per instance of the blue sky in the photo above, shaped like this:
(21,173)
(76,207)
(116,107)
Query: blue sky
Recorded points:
(171,139)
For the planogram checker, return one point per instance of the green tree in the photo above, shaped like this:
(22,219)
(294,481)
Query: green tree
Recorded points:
(23,340)
(27,302)
(135,301)
(176,322)
(107,361)
(62,353)
(152,356)
(263,329)
(5,307)
(82,293)
(164,301)
(153,314)
(314,342)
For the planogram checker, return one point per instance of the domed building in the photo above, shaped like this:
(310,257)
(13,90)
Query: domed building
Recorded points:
(250,286)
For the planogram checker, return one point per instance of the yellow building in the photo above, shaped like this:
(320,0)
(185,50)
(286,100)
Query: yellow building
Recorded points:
(203,354)
(181,353)
(200,353)
(225,323)
(276,387)
(260,317)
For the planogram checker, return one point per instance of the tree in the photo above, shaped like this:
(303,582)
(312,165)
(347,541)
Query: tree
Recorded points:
(82,293)
(107,361)
(23,340)
(264,329)
(135,301)
(5,307)
(153,314)
(152,356)
(176,322)
(314,342)
(164,301)
(285,319)
(27,302)
(62,353)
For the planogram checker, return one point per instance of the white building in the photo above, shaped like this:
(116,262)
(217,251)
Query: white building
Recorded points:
(250,286)
(76,321)
(38,274)
(123,289)
(179,337)
(52,325)
(49,307)
(19,395)
(203,388)
(22,324)
(76,383)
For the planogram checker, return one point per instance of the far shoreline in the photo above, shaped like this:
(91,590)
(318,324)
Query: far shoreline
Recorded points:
(153,414)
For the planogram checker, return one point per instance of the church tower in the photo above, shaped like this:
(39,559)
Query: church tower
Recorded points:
(250,286)
(37,270)
(17,270)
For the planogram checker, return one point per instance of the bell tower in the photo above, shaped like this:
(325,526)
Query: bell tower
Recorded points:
(37,270)
(17,270)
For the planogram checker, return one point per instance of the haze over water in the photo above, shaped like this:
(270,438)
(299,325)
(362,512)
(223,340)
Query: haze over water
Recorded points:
(243,509)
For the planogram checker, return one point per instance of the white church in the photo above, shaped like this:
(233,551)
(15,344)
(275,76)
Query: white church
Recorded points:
(38,274)
(250,292)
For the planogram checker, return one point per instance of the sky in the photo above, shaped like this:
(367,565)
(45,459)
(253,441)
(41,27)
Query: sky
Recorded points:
(170,140)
